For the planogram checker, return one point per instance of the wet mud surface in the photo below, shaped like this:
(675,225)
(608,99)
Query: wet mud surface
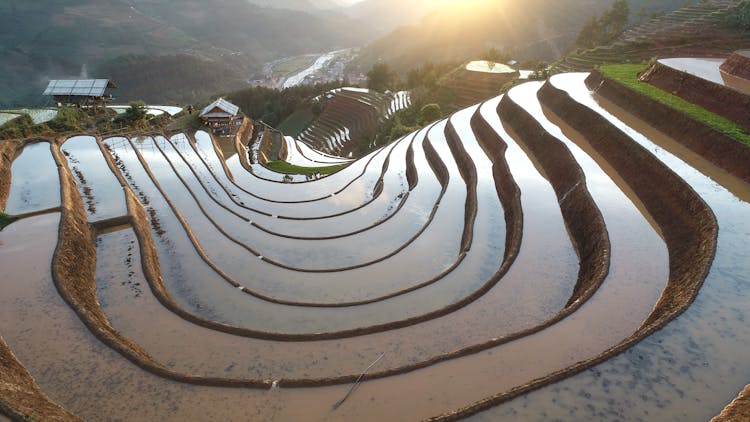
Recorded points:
(521,259)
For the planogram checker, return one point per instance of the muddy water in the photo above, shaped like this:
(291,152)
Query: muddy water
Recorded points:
(218,299)
(321,189)
(123,392)
(335,195)
(303,254)
(224,192)
(353,219)
(325,254)
(737,187)
(708,69)
(694,366)
(81,374)
(35,183)
(101,192)
(314,155)
(464,327)
(298,285)
(501,312)
(376,211)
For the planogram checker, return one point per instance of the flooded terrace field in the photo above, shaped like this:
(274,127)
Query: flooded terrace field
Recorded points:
(508,262)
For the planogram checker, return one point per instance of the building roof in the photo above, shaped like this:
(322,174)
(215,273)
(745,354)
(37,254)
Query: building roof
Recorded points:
(222,104)
(78,87)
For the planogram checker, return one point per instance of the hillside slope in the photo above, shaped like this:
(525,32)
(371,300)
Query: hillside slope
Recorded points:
(45,39)
(534,29)
(695,30)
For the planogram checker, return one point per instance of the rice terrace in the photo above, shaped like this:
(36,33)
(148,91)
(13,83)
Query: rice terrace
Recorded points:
(519,233)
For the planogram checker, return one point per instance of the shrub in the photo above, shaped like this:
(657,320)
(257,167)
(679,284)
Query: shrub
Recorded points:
(69,120)
(430,113)
(136,116)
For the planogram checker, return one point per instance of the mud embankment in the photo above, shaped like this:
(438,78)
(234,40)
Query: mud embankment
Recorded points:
(21,398)
(642,172)
(583,218)
(737,410)
(412,176)
(720,99)
(738,64)
(505,185)
(687,223)
(468,172)
(74,272)
(716,147)
(8,152)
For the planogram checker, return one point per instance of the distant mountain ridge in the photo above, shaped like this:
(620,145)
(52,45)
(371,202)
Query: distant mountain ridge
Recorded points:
(44,39)
(532,29)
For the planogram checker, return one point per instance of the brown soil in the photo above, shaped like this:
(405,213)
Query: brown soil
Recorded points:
(582,217)
(74,271)
(721,150)
(8,152)
(507,189)
(738,64)
(687,223)
(468,172)
(738,410)
(412,176)
(683,207)
(720,99)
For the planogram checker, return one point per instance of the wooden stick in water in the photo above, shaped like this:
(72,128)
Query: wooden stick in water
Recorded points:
(356,383)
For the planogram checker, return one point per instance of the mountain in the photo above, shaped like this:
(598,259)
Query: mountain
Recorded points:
(387,15)
(63,38)
(303,5)
(460,30)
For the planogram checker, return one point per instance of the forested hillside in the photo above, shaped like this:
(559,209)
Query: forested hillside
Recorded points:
(532,29)
(45,39)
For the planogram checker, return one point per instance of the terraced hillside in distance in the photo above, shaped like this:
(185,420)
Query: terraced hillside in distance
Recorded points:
(698,29)
(575,249)
(351,116)
(477,81)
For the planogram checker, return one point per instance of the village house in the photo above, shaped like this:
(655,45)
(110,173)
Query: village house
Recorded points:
(223,117)
(80,92)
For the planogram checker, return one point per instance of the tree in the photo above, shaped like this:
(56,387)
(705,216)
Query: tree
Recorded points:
(741,17)
(136,116)
(590,33)
(380,77)
(615,20)
(602,30)
(495,55)
(430,113)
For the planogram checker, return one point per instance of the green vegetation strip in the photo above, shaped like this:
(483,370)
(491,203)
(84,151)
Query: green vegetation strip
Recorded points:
(627,74)
(297,122)
(5,220)
(284,167)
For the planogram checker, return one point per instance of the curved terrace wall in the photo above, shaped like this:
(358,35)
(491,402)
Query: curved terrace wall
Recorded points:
(714,146)
(687,223)
(8,152)
(720,99)
(582,217)
(738,64)
(694,261)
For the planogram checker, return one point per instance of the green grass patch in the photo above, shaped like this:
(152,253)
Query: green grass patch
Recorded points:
(297,122)
(627,74)
(286,168)
(5,220)
(186,122)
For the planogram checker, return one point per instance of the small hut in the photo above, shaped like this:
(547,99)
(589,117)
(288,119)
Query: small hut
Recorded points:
(80,92)
(222,117)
